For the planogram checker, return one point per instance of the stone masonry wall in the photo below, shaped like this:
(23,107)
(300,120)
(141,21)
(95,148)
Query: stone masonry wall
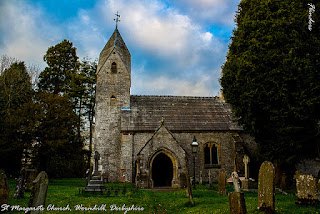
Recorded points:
(108,114)
(224,139)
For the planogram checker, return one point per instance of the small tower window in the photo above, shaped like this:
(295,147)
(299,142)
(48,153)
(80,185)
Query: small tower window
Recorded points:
(114,68)
(113,101)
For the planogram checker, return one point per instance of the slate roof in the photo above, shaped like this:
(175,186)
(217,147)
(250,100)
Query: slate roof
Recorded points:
(179,113)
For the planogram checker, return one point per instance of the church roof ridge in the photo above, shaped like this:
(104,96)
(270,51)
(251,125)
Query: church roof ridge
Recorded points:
(177,96)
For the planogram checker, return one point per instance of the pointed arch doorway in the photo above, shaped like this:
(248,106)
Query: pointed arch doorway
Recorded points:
(162,170)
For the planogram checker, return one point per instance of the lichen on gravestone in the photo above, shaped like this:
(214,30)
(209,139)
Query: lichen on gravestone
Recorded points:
(266,188)
(39,191)
(306,189)
(222,182)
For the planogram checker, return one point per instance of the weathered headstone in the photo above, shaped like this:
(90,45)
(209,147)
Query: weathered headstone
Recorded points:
(88,176)
(4,188)
(306,189)
(236,181)
(236,199)
(222,182)
(200,178)
(237,203)
(20,185)
(39,191)
(283,181)
(189,189)
(245,182)
(210,177)
(31,174)
(318,190)
(266,197)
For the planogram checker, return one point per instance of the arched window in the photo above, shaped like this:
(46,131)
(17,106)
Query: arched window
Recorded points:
(206,154)
(214,154)
(114,68)
(113,101)
(211,154)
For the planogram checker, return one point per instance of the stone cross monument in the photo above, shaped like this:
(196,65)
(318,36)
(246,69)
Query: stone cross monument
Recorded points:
(96,183)
(96,160)
(245,182)
(246,161)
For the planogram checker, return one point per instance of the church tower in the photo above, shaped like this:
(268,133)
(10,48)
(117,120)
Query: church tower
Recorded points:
(112,96)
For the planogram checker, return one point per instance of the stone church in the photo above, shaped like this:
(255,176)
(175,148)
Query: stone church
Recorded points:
(148,140)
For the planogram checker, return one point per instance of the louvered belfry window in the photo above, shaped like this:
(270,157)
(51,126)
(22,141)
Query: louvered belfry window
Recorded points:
(114,68)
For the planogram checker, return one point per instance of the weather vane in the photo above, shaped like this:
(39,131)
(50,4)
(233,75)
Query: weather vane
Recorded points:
(117,19)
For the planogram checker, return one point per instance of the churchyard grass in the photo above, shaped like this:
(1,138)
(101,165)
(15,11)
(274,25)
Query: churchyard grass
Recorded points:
(66,191)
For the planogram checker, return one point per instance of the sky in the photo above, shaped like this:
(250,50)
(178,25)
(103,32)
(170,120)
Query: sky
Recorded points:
(177,46)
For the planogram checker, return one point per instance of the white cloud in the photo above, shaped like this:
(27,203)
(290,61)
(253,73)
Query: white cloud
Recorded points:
(188,53)
(211,11)
(167,86)
(197,84)
(25,30)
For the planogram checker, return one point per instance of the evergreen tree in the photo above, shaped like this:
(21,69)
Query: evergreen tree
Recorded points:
(271,77)
(15,92)
(59,149)
(63,64)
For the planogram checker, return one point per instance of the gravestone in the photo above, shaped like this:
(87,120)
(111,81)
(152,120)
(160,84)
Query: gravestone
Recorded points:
(266,197)
(4,188)
(200,178)
(210,186)
(246,181)
(88,177)
(31,174)
(20,185)
(235,181)
(306,189)
(96,183)
(283,181)
(237,203)
(189,190)
(318,190)
(222,182)
(39,191)
(236,199)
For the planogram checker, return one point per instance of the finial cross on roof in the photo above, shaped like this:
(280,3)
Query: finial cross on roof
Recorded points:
(117,19)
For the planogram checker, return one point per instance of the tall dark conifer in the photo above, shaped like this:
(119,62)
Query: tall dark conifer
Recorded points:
(272,76)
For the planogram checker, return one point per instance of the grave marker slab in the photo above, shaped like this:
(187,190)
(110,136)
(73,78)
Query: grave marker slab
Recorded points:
(4,188)
(222,182)
(306,189)
(20,185)
(266,197)
(189,190)
(31,174)
(39,191)
(237,203)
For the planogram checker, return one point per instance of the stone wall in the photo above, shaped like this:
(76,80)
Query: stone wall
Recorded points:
(145,144)
(108,114)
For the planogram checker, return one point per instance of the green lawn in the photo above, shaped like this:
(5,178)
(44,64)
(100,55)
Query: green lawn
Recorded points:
(66,192)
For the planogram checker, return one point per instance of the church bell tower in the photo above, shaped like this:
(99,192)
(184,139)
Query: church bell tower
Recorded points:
(112,95)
